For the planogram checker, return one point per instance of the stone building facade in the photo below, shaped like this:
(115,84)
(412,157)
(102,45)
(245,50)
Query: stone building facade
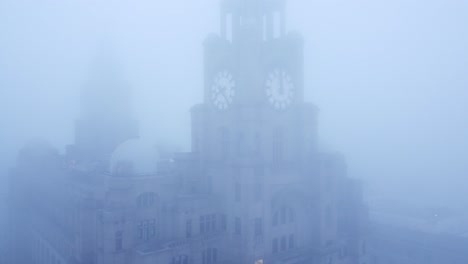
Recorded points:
(254,189)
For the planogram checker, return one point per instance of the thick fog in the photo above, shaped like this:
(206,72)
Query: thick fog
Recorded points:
(390,79)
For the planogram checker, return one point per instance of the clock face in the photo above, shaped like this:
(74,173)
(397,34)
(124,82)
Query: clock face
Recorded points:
(222,90)
(279,89)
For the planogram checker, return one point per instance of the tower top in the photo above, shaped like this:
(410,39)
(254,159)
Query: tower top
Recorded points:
(252,7)
(266,17)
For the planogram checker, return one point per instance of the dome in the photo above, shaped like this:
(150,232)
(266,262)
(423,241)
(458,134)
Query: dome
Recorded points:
(134,157)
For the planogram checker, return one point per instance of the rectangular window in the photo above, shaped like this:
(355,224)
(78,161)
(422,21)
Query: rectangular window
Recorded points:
(202,224)
(328,216)
(238,227)
(213,222)
(237,191)
(258,227)
(223,222)
(275,246)
(283,243)
(291,241)
(276,25)
(188,228)
(278,145)
(140,230)
(283,215)
(118,241)
(215,255)
(229,25)
(224,142)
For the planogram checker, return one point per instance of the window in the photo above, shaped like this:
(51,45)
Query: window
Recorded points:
(210,256)
(182,259)
(229,25)
(278,145)
(257,144)
(275,245)
(283,243)
(207,223)
(188,228)
(328,216)
(276,24)
(283,215)
(291,241)
(238,226)
(146,229)
(202,224)
(258,229)
(224,142)
(223,222)
(258,187)
(213,222)
(240,144)
(237,191)
(290,215)
(146,200)
(118,241)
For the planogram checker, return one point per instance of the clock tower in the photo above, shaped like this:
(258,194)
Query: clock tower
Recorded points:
(255,138)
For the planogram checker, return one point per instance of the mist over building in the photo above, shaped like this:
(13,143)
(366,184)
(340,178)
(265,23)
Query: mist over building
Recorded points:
(255,187)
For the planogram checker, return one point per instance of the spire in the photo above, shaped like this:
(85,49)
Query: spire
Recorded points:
(106,112)
(106,93)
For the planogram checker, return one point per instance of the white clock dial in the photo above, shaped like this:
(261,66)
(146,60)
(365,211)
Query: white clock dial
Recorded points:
(222,90)
(279,89)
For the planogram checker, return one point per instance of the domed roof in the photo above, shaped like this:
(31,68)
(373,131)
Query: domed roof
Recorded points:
(134,157)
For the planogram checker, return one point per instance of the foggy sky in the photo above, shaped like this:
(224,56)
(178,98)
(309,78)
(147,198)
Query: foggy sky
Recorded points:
(390,79)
